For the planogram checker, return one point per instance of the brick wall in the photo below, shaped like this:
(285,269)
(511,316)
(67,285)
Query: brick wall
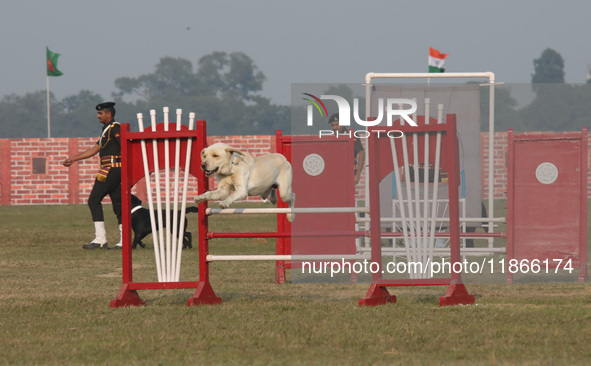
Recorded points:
(31,172)
(499,164)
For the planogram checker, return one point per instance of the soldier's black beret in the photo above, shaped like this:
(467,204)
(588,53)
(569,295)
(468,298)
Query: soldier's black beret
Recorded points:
(333,118)
(102,106)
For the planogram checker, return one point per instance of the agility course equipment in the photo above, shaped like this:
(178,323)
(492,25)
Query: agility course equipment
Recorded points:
(431,148)
(323,229)
(418,223)
(323,176)
(466,109)
(444,144)
(136,157)
(139,164)
(546,200)
(470,173)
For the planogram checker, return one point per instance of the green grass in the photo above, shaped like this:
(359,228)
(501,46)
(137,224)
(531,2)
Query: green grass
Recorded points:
(54,309)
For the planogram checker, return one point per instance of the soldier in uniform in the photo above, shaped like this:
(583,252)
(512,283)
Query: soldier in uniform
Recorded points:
(358,152)
(108,179)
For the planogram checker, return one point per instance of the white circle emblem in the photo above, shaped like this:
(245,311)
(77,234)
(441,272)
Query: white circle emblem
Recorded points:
(313,164)
(547,173)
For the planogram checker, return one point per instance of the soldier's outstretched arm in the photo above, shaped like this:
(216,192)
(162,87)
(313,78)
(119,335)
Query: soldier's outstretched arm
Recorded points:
(84,155)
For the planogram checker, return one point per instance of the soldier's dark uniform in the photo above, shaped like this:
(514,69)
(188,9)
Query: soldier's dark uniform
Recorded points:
(108,180)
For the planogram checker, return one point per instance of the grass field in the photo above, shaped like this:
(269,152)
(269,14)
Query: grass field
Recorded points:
(54,309)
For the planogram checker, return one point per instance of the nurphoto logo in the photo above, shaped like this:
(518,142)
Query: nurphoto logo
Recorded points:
(345,114)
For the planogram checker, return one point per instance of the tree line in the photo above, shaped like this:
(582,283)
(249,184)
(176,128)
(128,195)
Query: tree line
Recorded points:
(555,106)
(224,88)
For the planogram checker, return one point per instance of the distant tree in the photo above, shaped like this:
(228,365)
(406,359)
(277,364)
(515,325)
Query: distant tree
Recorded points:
(223,90)
(26,116)
(76,116)
(234,75)
(548,68)
(173,77)
(558,107)
(506,115)
(81,100)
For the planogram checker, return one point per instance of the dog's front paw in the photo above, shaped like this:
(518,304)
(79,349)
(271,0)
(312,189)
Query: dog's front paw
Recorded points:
(225,204)
(199,199)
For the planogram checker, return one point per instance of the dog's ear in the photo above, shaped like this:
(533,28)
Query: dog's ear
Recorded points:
(231,150)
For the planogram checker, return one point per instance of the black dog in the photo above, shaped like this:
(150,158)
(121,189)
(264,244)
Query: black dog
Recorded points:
(140,224)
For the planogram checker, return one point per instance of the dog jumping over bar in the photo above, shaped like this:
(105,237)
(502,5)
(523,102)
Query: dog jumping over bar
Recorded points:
(240,175)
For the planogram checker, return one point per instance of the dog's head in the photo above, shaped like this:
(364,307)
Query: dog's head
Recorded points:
(217,159)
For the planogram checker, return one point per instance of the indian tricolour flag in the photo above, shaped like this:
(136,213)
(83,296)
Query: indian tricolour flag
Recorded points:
(436,60)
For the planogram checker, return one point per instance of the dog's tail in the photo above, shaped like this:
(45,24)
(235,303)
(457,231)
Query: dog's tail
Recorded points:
(191,209)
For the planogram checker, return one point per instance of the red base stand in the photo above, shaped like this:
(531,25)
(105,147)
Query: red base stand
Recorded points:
(456,295)
(204,295)
(280,274)
(127,297)
(377,295)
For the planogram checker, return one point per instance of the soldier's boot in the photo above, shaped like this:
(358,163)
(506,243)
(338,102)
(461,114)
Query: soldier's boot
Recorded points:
(100,237)
(120,244)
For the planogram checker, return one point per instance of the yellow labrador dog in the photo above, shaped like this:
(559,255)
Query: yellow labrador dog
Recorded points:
(239,175)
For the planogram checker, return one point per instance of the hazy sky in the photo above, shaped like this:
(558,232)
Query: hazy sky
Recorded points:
(290,41)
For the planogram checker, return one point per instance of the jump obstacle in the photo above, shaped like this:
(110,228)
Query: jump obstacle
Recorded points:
(138,163)
(432,144)
(552,231)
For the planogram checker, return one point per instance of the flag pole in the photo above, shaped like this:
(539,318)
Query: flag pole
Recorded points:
(48,111)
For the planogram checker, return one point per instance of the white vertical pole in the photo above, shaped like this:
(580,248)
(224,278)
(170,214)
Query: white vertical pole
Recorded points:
(175,213)
(417,186)
(140,120)
(426,243)
(184,199)
(436,181)
(397,181)
(368,89)
(167,193)
(158,244)
(48,111)
(409,200)
(491,155)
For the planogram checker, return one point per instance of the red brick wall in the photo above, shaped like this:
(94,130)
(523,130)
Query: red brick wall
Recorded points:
(499,164)
(19,185)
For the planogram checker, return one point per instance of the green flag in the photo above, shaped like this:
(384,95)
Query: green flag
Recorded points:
(52,63)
